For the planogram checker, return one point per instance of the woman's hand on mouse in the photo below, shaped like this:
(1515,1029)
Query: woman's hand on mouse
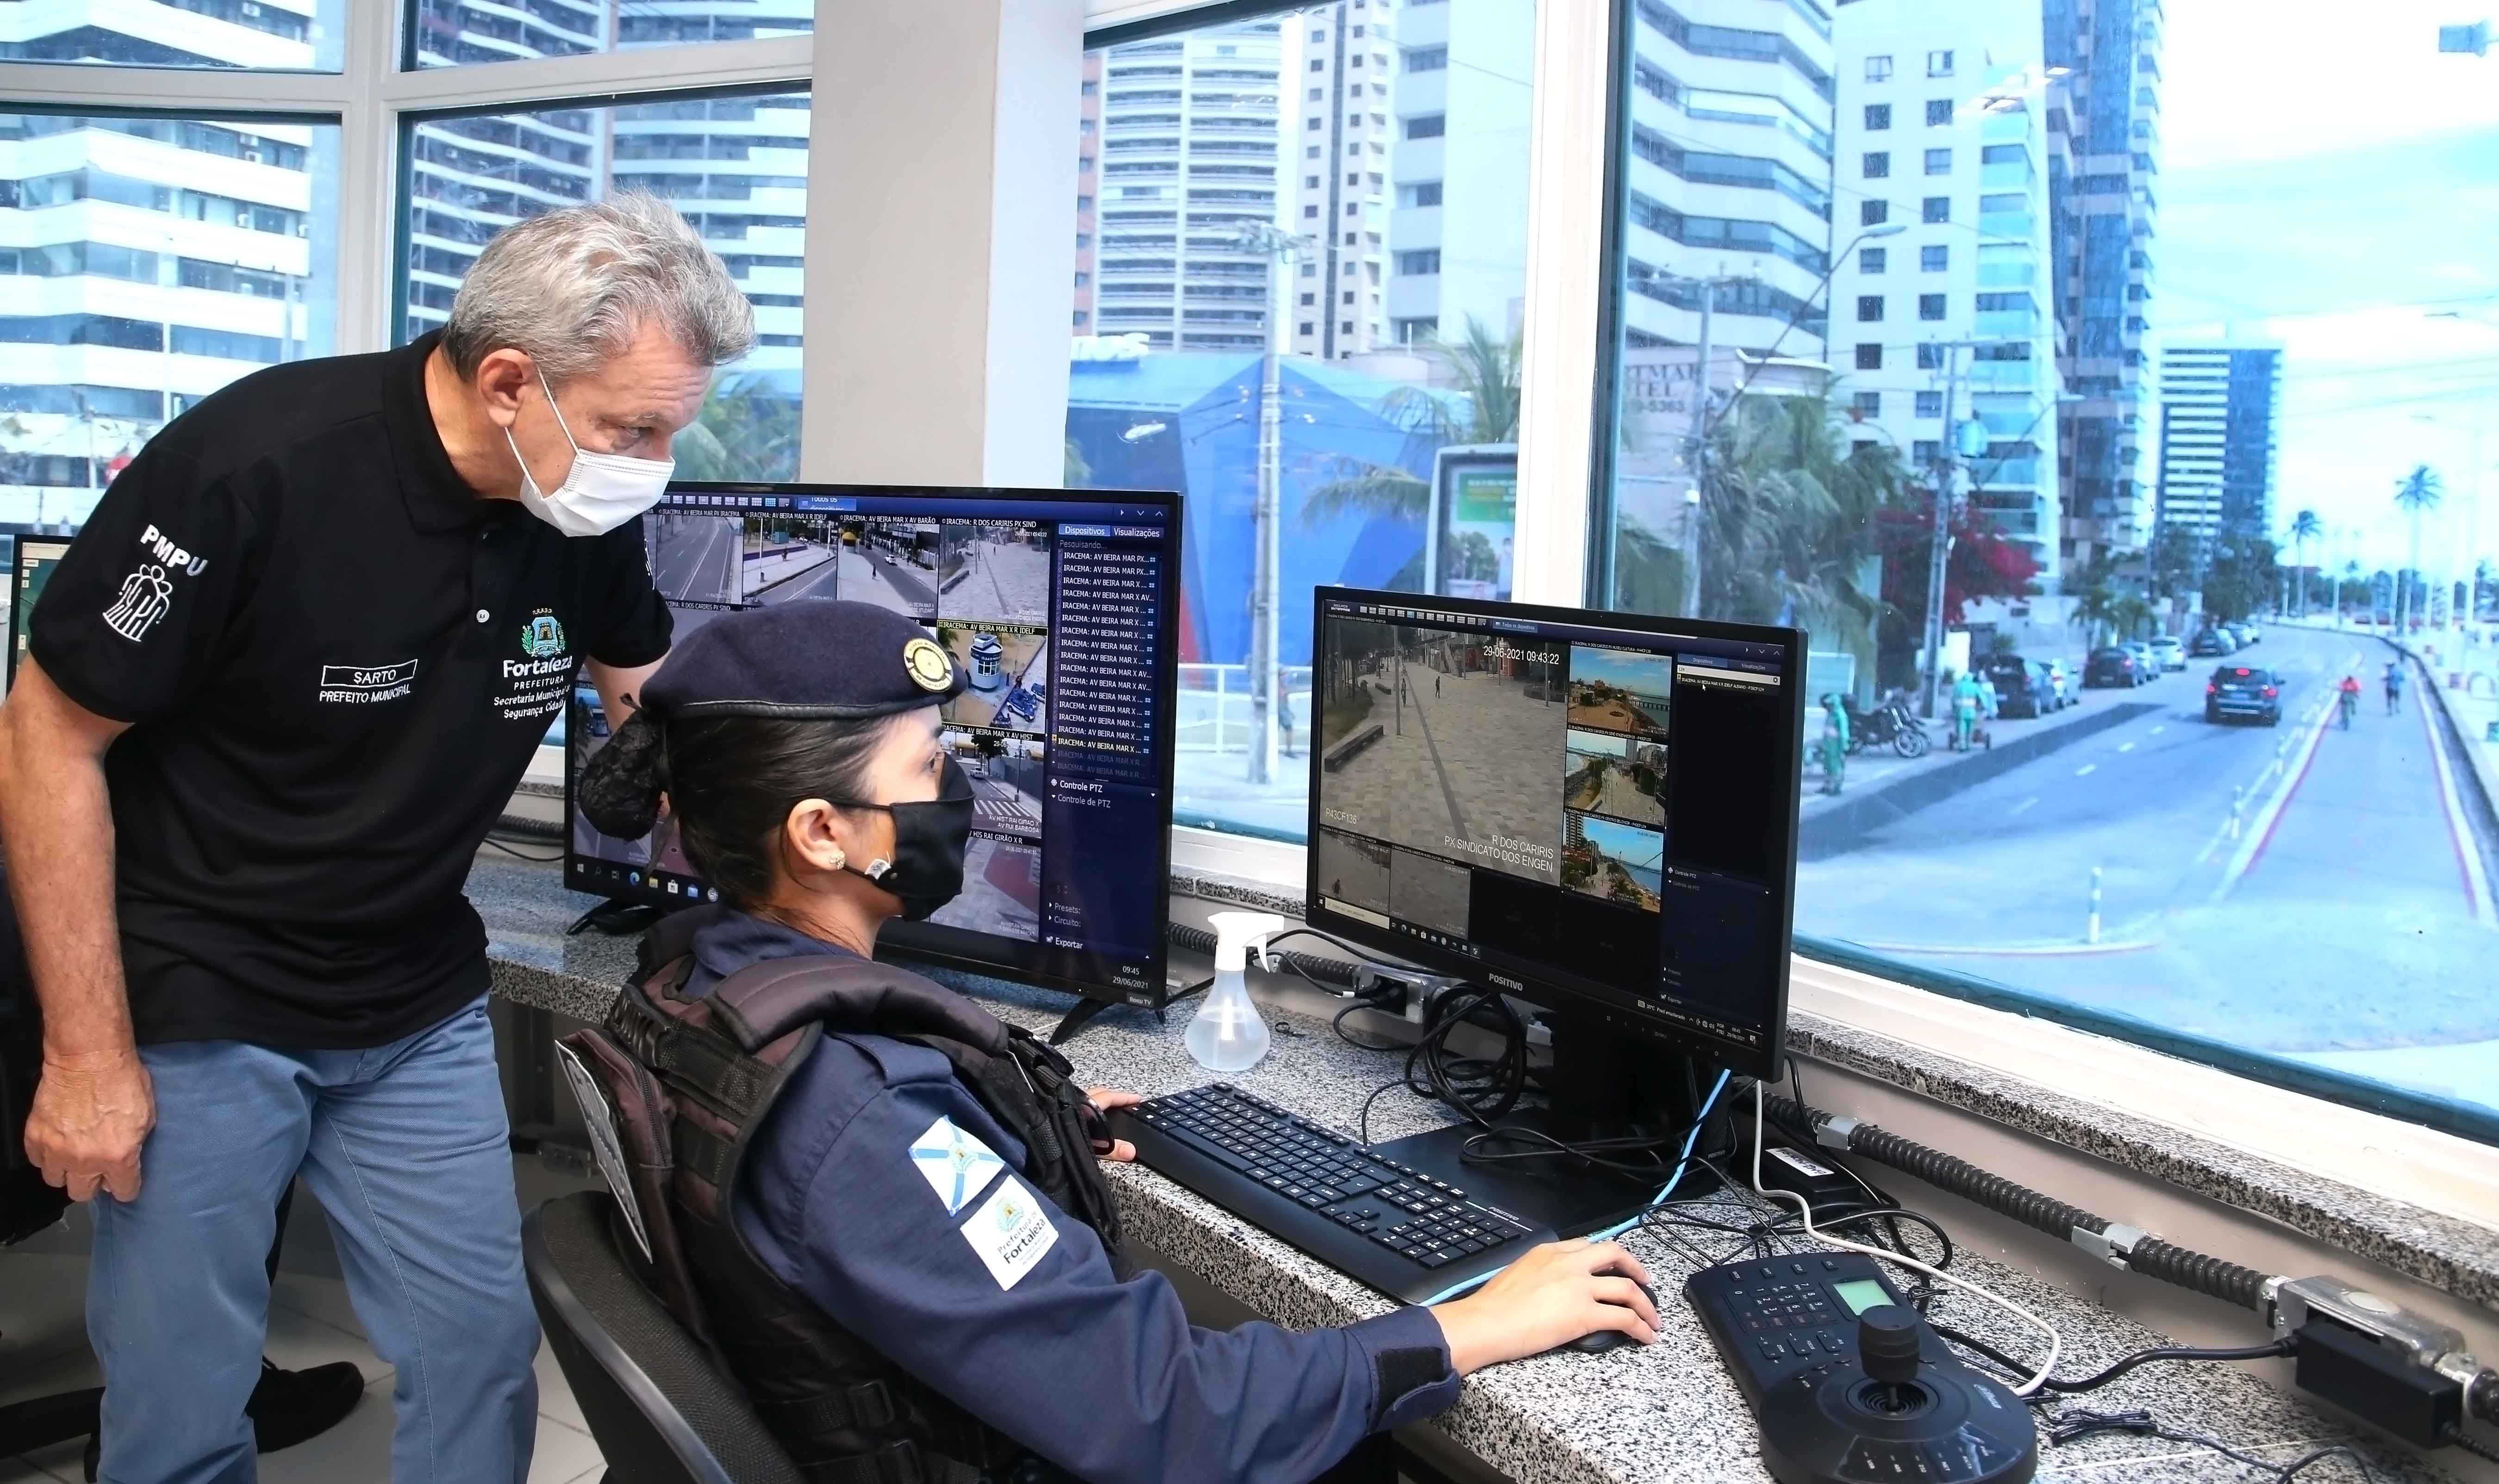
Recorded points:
(1106,1099)
(1551,1295)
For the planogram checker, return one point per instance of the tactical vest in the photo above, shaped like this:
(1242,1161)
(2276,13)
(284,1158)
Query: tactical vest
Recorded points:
(692,1079)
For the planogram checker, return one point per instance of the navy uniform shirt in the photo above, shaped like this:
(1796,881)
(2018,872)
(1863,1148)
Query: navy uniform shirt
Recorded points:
(337,660)
(881,1190)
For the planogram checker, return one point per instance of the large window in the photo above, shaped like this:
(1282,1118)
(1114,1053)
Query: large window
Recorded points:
(275,35)
(1408,249)
(459,33)
(2149,398)
(146,262)
(735,165)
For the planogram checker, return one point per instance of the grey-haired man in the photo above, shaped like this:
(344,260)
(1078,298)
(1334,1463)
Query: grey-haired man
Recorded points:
(275,697)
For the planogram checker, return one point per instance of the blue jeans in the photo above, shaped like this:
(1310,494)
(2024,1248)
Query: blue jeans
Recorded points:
(406,1148)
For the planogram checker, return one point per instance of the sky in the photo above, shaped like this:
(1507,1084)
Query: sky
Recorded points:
(2329,182)
(1646,674)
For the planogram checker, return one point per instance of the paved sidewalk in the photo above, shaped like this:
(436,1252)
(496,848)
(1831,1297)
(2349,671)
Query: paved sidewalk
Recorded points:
(1879,767)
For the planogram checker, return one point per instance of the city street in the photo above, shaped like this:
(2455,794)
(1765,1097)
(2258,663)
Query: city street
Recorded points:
(1005,582)
(695,557)
(869,576)
(2343,923)
(1446,775)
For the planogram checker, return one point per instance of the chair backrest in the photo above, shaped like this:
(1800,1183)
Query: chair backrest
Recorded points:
(659,1405)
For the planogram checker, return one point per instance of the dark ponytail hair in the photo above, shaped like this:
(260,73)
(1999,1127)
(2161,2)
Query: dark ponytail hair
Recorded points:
(731,783)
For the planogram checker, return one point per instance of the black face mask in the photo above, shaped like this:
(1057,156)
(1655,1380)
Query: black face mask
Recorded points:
(930,837)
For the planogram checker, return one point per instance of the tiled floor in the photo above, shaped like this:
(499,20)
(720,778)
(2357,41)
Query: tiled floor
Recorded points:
(44,1351)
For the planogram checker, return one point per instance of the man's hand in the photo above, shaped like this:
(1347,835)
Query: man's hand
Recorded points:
(1107,1098)
(88,1123)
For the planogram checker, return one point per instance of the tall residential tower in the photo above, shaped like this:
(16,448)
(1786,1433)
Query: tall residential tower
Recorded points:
(2220,410)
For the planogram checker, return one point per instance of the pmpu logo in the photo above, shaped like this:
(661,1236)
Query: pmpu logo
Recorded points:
(173,556)
(542,638)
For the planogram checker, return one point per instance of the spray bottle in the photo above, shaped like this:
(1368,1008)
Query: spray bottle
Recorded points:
(1227,1034)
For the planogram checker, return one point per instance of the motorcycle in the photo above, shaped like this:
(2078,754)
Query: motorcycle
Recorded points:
(1891,724)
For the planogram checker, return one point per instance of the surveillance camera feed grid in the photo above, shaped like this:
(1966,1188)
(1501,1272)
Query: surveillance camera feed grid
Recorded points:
(1005,771)
(1008,665)
(695,559)
(1429,892)
(1424,735)
(993,572)
(1620,690)
(1621,776)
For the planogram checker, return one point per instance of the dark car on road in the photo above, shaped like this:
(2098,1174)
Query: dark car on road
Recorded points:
(2023,688)
(2243,690)
(2211,644)
(2115,665)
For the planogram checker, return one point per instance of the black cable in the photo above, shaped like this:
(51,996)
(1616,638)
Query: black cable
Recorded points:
(1338,1026)
(2474,1446)
(2271,1350)
(490,841)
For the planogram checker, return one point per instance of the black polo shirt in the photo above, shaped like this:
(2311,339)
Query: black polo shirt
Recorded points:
(338,659)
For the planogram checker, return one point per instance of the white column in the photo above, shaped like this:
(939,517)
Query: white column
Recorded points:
(941,248)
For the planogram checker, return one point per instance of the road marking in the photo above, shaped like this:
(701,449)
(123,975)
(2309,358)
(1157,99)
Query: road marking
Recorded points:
(2025,804)
(2125,747)
(2088,767)
(2157,730)
(2258,828)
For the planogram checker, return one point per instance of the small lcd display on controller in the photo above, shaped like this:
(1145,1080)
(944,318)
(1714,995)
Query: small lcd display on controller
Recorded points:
(1861,1293)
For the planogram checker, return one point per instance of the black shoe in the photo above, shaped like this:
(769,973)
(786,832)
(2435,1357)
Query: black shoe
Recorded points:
(289,1406)
(286,1406)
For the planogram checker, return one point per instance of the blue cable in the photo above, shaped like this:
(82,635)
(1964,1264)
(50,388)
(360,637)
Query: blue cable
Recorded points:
(1690,1137)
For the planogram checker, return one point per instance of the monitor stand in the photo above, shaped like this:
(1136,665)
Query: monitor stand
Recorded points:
(1604,1084)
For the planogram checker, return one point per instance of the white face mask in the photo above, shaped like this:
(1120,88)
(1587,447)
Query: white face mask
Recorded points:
(602,491)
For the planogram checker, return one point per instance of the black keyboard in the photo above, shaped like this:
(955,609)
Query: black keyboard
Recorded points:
(1401,1232)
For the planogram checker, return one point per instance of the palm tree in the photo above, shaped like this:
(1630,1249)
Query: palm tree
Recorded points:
(2305,527)
(1484,370)
(744,435)
(2131,614)
(2093,586)
(1788,523)
(2350,575)
(2481,579)
(2416,494)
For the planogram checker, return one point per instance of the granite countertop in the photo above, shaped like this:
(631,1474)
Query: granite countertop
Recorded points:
(1667,1414)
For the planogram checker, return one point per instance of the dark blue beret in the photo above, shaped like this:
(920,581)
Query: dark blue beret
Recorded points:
(817,659)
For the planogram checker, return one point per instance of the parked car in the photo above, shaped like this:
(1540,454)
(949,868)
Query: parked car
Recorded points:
(2023,688)
(2254,635)
(2243,690)
(2171,654)
(2068,685)
(2113,665)
(2212,644)
(2146,664)
(2239,632)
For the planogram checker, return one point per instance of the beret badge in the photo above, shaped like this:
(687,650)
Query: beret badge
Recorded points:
(928,666)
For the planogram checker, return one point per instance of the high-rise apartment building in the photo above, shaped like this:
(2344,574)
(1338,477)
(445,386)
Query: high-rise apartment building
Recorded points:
(1941,126)
(2220,410)
(1343,101)
(2104,146)
(1729,173)
(149,262)
(1461,118)
(1182,160)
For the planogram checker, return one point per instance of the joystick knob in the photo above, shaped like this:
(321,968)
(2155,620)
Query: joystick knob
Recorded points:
(1887,1344)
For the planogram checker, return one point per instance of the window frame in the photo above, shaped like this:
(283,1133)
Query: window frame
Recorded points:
(2316,1118)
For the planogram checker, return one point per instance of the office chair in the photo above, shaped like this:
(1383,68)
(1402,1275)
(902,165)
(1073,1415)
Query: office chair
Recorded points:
(658,1404)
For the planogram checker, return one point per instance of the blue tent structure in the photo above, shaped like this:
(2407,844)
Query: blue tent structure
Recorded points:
(1188,421)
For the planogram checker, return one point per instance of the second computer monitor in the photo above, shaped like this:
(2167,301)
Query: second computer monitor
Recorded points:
(1060,606)
(1594,811)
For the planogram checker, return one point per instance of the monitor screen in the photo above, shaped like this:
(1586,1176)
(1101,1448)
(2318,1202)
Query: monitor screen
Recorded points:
(1060,606)
(35,558)
(1595,811)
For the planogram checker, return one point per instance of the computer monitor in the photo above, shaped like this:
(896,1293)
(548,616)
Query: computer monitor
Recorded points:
(28,571)
(1593,812)
(1062,607)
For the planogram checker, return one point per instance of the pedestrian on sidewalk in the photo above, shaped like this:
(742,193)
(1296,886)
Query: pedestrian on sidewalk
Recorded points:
(1284,717)
(1834,743)
(1965,695)
(2394,687)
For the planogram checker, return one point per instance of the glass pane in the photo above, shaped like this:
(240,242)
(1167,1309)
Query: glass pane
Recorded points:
(737,167)
(150,262)
(2177,355)
(1346,184)
(268,35)
(461,33)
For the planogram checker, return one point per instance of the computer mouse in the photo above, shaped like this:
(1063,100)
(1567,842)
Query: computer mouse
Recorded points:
(1599,1342)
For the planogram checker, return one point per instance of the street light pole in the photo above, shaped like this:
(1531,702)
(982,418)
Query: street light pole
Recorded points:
(1947,508)
(1281,249)
(1700,456)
